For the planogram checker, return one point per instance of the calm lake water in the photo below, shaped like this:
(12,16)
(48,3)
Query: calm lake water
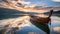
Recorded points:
(28,28)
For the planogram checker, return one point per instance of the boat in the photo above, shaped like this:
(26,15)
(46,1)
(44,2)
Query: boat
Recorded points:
(45,20)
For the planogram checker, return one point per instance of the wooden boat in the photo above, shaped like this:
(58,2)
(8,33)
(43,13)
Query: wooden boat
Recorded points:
(41,19)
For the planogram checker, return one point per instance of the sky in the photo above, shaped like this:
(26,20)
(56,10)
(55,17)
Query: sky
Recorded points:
(44,3)
(50,3)
(33,3)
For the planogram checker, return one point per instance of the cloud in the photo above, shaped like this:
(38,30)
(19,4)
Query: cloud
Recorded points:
(24,3)
(18,3)
(56,0)
(40,4)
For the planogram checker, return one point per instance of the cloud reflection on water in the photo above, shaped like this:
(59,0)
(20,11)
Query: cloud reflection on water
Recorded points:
(56,29)
(55,25)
